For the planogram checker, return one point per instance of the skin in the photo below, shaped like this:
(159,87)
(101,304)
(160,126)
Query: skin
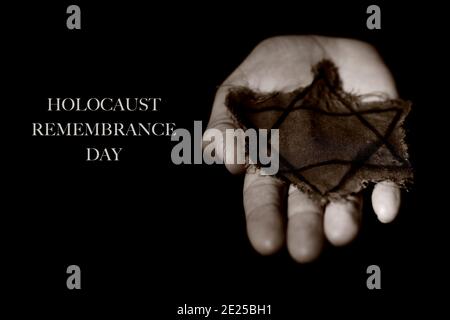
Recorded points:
(284,64)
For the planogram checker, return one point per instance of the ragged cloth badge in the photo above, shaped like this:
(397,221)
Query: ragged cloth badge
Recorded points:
(331,143)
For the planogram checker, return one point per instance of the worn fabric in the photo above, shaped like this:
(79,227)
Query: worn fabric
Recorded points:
(331,143)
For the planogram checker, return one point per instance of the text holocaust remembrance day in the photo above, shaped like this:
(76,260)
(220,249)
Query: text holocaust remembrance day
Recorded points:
(103,129)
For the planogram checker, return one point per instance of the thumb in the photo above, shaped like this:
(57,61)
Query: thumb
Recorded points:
(228,151)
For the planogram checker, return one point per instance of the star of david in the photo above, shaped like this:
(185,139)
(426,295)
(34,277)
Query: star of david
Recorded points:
(328,137)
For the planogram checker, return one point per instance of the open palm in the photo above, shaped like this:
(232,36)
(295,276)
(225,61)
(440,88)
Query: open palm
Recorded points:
(284,64)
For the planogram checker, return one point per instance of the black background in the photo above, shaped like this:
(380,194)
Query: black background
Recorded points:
(149,235)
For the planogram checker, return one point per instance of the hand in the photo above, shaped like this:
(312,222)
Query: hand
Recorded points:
(284,64)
